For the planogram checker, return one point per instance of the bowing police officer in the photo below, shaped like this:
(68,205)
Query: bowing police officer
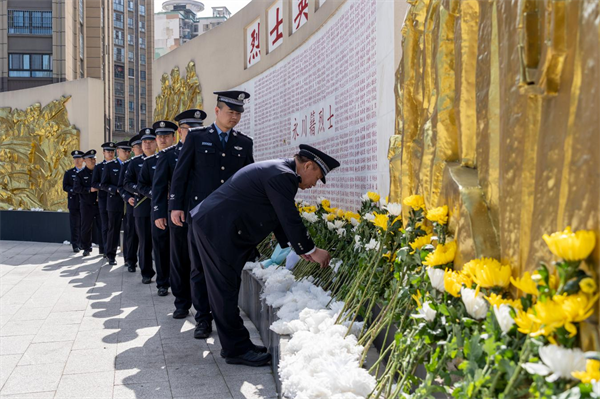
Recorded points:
(108,151)
(165,135)
(179,277)
(141,207)
(130,237)
(208,158)
(255,202)
(88,202)
(114,203)
(73,199)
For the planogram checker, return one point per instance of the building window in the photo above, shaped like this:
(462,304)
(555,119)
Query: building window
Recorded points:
(142,10)
(130,74)
(119,89)
(143,59)
(118,20)
(142,42)
(130,38)
(118,5)
(30,65)
(130,22)
(119,72)
(81,45)
(130,5)
(119,54)
(143,91)
(119,106)
(130,56)
(143,122)
(143,108)
(142,26)
(118,37)
(81,11)
(119,122)
(29,22)
(131,109)
(143,75)
(131,124)
(131,89)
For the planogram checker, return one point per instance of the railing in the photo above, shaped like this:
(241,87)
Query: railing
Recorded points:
(29,22)
(118,41)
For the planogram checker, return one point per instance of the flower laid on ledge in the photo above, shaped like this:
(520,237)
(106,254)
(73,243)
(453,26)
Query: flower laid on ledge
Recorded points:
(489,273)
(442,255)
(557,362)
(416,202)
(438,215)
(571,246)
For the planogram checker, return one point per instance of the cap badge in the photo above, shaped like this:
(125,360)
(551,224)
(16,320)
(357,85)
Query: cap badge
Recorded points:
(162,124)
(241,96)
(147,131)
(197,115)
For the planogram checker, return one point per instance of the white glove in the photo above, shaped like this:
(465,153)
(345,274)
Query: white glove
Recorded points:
(291,260)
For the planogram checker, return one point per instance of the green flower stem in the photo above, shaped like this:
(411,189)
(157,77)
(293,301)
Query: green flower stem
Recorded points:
(522,358)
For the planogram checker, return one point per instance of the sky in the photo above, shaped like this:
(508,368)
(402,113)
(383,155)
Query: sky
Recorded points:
(233,6)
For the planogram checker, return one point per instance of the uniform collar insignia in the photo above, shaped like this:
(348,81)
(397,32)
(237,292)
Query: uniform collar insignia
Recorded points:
(238,148)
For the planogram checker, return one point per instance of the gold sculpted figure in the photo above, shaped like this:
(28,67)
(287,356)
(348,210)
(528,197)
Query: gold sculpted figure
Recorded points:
(179,94)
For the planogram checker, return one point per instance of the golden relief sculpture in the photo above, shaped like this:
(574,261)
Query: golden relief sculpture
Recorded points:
(35,152)
(178,94)
(498,116)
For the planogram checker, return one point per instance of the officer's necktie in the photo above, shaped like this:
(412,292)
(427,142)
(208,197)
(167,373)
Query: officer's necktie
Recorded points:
(223,136)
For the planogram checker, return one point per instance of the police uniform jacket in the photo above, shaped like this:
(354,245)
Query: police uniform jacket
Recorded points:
(110,184)
(163,174)
(83,186)
(125,195)
(96,180)
(130,183)
(256,201)
(68,182)
(144,186)
(205,165)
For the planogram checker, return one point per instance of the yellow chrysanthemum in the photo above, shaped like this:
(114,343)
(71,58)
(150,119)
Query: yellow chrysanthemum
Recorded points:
(398,218)
(309,209)
(420,242)
(577,307)
(425,227)
(591,373)
(330,217)
(454,281)
(525,284)
(381,220)
(588,285)
(351,215)
(571,246)
(340,213)
(442,254)
(550,316)
(470,267)
(417,298)
(373,196)
(325,203)
(497,300)
(490,273)
(438,215)
(415,202)
(525,324)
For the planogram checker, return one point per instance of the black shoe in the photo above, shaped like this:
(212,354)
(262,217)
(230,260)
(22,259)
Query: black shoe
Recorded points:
(250,358)
(76,249)
(203,330)
(163,291)
(255,348)
(180,313)
(112,262)
(131,269)
(146,280)
(86,253)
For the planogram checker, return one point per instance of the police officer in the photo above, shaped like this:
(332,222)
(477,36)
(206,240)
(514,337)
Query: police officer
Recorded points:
(179,277)
(88,201)
(130,238)
(114,203)
(141,209)
(209,157)
(165,135)
(228,225)
(108,151)
(73,201)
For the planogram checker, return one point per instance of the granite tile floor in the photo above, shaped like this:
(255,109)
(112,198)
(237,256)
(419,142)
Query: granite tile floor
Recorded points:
(74,327)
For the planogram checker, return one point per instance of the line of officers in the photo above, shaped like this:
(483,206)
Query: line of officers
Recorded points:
(150,196)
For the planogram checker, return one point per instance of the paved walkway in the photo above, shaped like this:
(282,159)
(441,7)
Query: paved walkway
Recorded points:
(73,327)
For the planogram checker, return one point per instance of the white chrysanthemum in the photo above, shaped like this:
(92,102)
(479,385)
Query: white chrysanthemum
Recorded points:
(394,208)
(373,244)
(330,226)
(436,276)
(557,362)
(311,217)
(365,198)
(341,232)
(503,316)
(335,264)
(426,312)
(477,306)
(339,224)
(369,216)
(354,222)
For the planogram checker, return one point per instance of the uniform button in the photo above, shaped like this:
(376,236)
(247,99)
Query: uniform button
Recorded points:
(223,154)
(222,167)
(239,231)
(222,181)
(195,198)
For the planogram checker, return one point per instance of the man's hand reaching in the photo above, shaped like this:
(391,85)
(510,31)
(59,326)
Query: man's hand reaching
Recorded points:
(319,256)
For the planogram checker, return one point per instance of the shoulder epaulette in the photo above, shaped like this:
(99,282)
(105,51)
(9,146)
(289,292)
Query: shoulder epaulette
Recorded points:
(114,160)
(169,148)
(198,128)
(127,160)
(77,171)
(151,156)
(137,156)
(245,135)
